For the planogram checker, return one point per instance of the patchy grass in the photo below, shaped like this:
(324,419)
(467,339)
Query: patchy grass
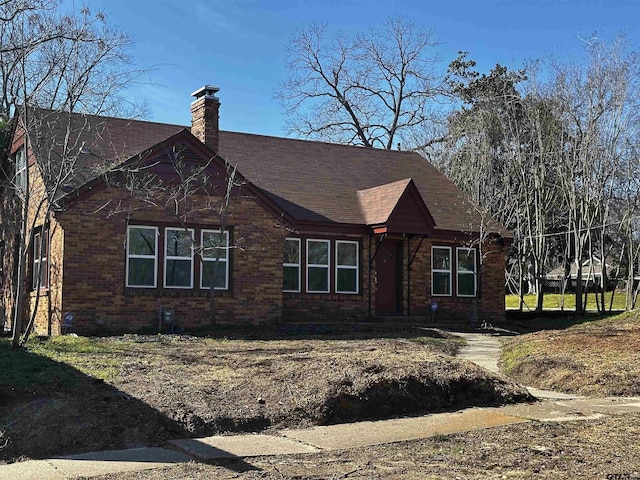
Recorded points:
(554,301)
(600,357)
(133,390)
(30,367)
(95,357)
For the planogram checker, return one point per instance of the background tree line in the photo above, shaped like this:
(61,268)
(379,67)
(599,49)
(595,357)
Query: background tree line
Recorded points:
(550,150)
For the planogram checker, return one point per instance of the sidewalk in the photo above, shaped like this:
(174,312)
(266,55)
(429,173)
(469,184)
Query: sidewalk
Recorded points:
(482,349)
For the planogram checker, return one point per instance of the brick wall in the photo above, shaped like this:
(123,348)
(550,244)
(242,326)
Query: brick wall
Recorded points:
(45,303)
(322,307)
(94,260)
(49,300)
(416,300)
(453,309)
(95,266)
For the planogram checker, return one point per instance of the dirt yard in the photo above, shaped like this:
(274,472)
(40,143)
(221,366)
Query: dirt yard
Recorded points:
(72,395)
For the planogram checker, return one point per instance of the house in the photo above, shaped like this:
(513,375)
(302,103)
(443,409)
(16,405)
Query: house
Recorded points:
(310,231)
(591,275)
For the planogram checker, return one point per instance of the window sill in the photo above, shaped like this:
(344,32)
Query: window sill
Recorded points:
(452,298)
(174,293)
(42,290)
(323,296)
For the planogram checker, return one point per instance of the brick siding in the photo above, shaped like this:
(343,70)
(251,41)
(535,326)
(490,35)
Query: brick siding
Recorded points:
(95,266)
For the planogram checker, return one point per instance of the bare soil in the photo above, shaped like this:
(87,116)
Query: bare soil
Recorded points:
(598,449)
(139,390)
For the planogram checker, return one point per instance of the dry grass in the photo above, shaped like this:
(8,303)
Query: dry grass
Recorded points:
(239,385)
(593,358)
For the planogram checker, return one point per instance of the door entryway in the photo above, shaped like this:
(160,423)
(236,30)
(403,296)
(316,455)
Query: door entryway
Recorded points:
(388,278)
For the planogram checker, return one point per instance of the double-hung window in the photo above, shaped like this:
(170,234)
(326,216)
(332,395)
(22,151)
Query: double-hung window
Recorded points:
(441,271)
(291,265)
(215,259)
(346,266)
(318,253)
(142,256)
(178,259)
(21,172)
(466,269)
(40,260)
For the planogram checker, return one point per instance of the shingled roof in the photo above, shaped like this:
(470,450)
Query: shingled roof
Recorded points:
(95,141)
(316,181)
(310,181)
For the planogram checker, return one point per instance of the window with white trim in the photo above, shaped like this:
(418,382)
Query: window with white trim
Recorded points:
(291,265)
(346,266)
(178,258)
(318,252)
(142,256)
(215,259)
(441,271)
(21,172)
(466,271)
(40,277)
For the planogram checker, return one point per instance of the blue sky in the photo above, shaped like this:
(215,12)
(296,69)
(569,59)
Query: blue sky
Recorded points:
(239,45)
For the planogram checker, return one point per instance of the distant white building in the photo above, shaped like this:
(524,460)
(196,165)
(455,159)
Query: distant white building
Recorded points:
(591,274)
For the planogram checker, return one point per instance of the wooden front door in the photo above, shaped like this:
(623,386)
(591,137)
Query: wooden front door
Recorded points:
(388,281)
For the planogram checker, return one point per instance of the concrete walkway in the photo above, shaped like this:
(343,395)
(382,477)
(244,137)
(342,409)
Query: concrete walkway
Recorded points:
(482,349)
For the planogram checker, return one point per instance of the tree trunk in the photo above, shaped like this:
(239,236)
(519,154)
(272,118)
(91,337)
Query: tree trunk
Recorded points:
(19,298)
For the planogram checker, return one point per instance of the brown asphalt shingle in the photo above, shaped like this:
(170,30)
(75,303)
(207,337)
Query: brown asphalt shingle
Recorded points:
(96,141)
(377,203)
(311,181)
(323,180)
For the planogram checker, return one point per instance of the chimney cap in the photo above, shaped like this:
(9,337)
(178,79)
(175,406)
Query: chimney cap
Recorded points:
(208,91)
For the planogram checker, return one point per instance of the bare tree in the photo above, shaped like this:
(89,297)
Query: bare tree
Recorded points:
(63,62)
(598,101)
(552,154)
(67,61)
(500,151)
(627,216)
(375,89)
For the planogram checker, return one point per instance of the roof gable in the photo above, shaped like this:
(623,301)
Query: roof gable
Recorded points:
(395,208)
(159,159)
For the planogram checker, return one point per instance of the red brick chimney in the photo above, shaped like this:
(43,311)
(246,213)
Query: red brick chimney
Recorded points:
(205,116)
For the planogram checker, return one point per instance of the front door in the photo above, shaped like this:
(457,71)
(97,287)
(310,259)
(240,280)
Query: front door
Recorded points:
(388,282)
